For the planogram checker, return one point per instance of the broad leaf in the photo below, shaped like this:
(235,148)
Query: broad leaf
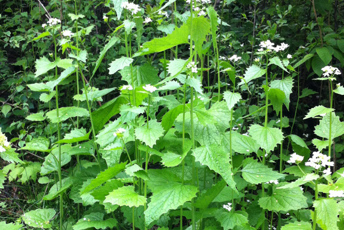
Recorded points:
(298,140)
(66,113)
(76,135)
(176,66)
(231,219)
(323,129)
(303,180)
(327,213)
(324,54)
(56,190)
(36,117)
(277,98)
(243,144)
(297,225)
(118,7)
(93,94)
(141,75)
(286,86)
(267,137)
(10,226)
(320,144)
(253,72)
(231,98)
(103,177)
(39,218)
(318,110)
(284,200)
(217,159)
(204,200)
(40,144)
(51,162)
(277,61)
(95,220)
(257,173)
(125,196)
(10,155)
(119,64)
(150,133)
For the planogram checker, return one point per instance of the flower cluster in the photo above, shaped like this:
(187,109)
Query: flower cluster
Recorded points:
(272,182)
(163,13)
(149,88)
(53,21)
(270,46)
(4,144)
(105,18)
(192,65)
(132,7)
(228,206)
(295,159)
(119,132)
(147,20)
(234,58)
(329,70)
(200,1)
(336,193)
(127,87)
(67,33)
(319,160)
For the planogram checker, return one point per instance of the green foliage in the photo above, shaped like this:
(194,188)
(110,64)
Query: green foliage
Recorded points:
(39,218)
(125,196)
(267,137)
(327,213)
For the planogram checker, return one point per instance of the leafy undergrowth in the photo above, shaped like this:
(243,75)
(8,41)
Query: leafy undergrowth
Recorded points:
(171,115)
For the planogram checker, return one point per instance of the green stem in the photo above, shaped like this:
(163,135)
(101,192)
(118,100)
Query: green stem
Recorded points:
(315,212)
(330,133)
(147,157)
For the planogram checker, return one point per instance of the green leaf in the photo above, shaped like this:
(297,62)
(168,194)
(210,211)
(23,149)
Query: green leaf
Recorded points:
(42,35)
(231,98)
(149,135)
(286,86)
(10,155)
(339,90)
(256,173)
(168,29)
(231,219)
(303,180)
(56,190)
(103,177)
(324,54)
(284,200)
(327,213)
(204,200)
(277,61)
(243,144)
(30,172)
(176,66)
(51,162)
(74,17)
(39,218)
(253,72)
(199,30)
(118,7)
(213,22)
(317,110)
(95,220)
(101,192)
(36,117)
(10,226)
(297,225)
(195,83)
(125,196)
(76,135)
(323,129)
(81,57)
(2,179)
(303,60)
(298,140)
(5,109)
(66,113)
(217,159)
(40,144)
(111,43)
(306,92)
(93,95)
(170,85)
(106,111)
(277,98)
(167,194)
(320,144)
(317,65)
(267,137)
(142,75)
(43,65)
(119,64)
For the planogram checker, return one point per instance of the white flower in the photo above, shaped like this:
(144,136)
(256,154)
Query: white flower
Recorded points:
(260,50)
(235,58)
(194,69)
(256,59)
(128,87)
(119,132)
(147,20)
(44,25)
(6,143)
(201,13)
(132,7)
(149,88)
(295,159)
(319,160)
(242,45)
(67,33)
(336,193)
(327,172)
(228,206)
(54,21)
(105,17)
(267,44)
(272,182)
(196,9)
(2,149)
(289,56)
(329,70)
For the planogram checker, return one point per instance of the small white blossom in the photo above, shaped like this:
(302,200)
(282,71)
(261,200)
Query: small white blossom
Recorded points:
(295,159)
(327,172)
(67,33)
(329,70)
(256,59)
(132,7)
(194,69)
(289,56)
(196,9)
(319,160)
(149,88)
(105,18)
(336,193)
(54,21)
(128,87)
(2,149)
(235,58)
(44,25)
(201,13)
(228,206)
(119,132)
(147,20)
(272,182)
